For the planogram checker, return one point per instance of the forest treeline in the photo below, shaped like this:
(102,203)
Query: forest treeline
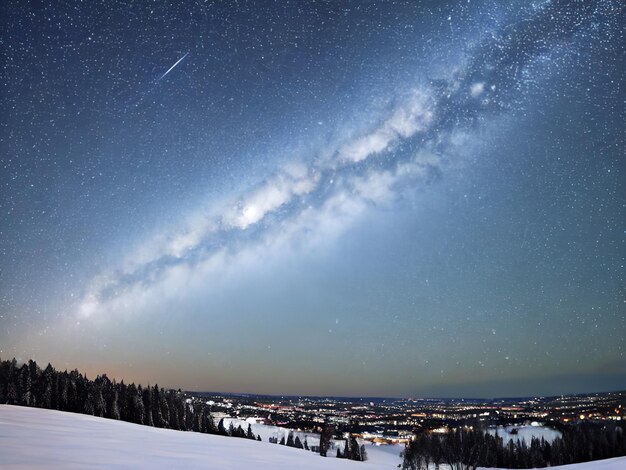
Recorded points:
(29,385)
(468,448)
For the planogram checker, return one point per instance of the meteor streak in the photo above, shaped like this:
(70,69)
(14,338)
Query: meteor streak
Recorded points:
(172,67)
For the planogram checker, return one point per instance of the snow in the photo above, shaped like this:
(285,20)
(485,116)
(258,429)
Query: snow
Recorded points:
(525,433)
(383,456)
(38,438)
(617,463)
(267,431)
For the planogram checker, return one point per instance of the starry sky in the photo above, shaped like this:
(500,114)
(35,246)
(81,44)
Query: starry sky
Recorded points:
(390,198)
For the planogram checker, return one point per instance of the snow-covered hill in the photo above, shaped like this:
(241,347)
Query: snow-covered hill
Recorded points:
(618,463)
(36,438)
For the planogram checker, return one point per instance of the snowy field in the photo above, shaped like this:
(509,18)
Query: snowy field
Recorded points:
(278,432)
(385,456)
(618,463)
(36,438)
(525,433)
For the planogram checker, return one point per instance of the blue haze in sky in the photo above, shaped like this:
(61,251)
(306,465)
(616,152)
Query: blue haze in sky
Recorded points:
(348,198)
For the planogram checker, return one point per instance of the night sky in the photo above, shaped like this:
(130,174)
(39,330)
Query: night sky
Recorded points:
(389,198)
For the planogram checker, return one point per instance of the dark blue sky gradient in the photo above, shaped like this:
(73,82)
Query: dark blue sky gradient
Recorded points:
(358,198)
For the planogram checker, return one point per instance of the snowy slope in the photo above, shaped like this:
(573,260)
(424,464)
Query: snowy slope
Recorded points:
(525,433)
(386,456)
(36,438)
(618,463)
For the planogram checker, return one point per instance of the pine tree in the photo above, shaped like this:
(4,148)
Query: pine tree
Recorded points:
(325,437)
(138,406)
(352,450)
(182,413)
(62,402)
(355,452)
(47,397)
(148,404)
(157,416)
(290,442)
(298,443)
(99,403)
(164,408)
(221,429)
(190,414)
(197,422)
(210,426)
(89,406)
(47,384)
(26,385)
(115,411)
(173,411)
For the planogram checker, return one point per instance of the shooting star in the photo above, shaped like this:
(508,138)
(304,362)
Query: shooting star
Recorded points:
(172,67)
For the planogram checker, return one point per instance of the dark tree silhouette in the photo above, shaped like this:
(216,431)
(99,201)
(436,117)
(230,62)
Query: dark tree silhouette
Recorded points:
(467,449)
(325,437)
